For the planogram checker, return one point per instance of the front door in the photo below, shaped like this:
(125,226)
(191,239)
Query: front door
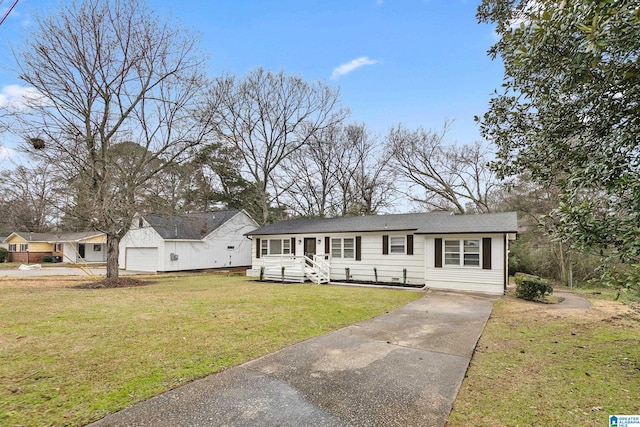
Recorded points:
(309,247)
(81,250)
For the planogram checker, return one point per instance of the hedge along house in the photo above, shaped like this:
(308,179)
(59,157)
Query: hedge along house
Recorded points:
(194,241)
(79,247)
(436,249)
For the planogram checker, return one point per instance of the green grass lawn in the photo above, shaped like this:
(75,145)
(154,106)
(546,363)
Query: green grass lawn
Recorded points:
(539,366)
(71,356)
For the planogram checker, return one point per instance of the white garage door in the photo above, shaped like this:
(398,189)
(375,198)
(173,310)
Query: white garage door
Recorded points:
(142,259)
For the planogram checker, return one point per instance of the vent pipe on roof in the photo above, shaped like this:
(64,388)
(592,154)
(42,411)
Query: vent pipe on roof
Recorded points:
(175,231)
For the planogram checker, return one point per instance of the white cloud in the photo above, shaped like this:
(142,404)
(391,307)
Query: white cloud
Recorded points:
(350,66)
(6,153)
(17,97)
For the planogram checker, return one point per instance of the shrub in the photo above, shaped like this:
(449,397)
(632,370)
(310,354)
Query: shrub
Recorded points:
(4,254)
(532,288)
(47,258)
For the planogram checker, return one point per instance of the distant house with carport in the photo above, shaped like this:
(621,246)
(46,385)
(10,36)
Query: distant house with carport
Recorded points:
(436,249)
(74,247)
(192,241)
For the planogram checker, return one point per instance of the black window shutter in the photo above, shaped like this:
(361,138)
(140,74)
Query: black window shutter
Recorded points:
(385,245)
(293,246)
(486,253)
(358,248)
(410,244)
(327,245)
(438,252)
(257,248)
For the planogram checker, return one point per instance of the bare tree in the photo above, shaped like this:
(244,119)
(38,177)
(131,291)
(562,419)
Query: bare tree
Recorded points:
(441,176)
(309,176)
(26,195)
(110,71)
(267,117)
(366,181)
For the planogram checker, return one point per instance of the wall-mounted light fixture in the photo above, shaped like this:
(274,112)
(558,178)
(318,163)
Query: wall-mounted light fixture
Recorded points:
(299,241)
(319,241)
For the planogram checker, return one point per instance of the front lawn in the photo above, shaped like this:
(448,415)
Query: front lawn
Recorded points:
(536,365)
(71,356)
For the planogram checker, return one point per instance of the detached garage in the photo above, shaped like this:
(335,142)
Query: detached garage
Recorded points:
(193,241)
(141,259)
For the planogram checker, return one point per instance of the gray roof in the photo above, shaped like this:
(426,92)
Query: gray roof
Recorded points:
(420,223)
(192,226)
(55,237)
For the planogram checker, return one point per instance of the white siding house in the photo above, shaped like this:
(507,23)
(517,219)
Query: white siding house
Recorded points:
(437,250)
(187,242)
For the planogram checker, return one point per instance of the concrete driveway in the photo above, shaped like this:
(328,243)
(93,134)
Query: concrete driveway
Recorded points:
(400,369)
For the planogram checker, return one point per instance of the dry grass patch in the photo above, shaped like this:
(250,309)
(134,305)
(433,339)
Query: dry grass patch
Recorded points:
(70,356)
(539,365)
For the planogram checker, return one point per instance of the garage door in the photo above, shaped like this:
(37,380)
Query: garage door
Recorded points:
(142,259)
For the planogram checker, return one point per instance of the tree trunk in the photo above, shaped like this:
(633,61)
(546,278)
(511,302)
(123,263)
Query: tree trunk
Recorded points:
(112,256)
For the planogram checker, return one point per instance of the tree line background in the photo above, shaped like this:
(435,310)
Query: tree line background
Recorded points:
(122,119)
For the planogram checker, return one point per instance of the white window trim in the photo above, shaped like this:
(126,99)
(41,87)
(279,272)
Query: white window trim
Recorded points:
(342,239)
(461,253)
(404,245)
(24,247)
(12,247)
(265,247)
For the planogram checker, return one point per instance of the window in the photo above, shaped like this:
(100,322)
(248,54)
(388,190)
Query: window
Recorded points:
(57,247)
(24,247)
(97,248)
(12,247)
(462,252)
(472,253)
(343,248)
(396,244)
(336,248)
(451,252)
(276,247)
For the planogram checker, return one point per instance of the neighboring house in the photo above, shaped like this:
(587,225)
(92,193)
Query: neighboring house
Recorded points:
(437,249)
(187,242)
(27,247)
(2,243)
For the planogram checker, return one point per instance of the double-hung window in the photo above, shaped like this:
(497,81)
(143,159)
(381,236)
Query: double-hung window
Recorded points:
(471,253)
(462,252)
(397,244)
(24,247)
(12,247)
(343,248)
(275,247)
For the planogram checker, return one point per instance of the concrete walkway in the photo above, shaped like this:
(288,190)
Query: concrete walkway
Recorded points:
(400,369)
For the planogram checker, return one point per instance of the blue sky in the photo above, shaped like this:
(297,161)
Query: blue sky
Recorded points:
(415,62)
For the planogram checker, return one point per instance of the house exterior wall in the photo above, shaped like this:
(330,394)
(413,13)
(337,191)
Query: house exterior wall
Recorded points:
(95,252)
(136,237)
(389,267)
(461,278)
(420,267)
(225,247)
(36,250)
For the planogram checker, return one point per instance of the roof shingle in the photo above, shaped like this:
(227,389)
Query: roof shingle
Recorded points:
(421,223)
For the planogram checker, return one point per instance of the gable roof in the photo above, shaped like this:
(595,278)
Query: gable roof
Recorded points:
(420,223)
(54,237)
(192,226)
